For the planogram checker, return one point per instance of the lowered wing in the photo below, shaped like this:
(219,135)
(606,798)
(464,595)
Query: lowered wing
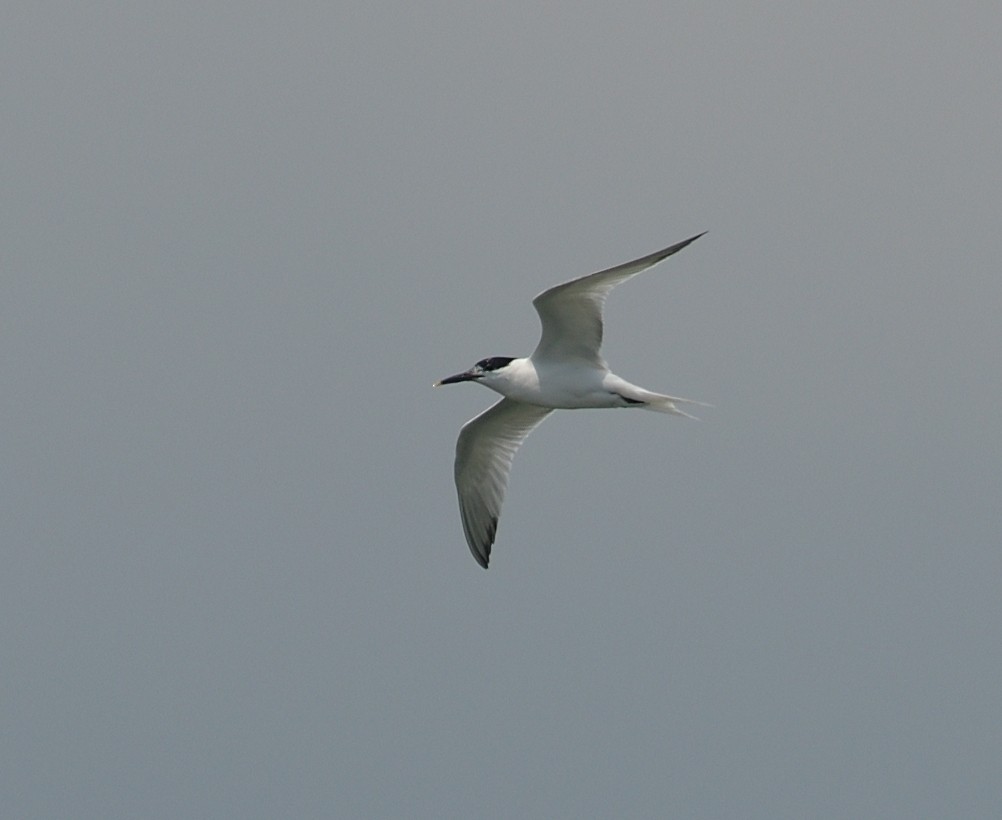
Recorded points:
(484,451)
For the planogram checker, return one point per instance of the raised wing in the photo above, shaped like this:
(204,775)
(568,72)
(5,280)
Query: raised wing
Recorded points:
(571,313)
(486,446)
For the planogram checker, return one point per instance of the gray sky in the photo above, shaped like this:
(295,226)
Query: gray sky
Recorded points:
(240,242)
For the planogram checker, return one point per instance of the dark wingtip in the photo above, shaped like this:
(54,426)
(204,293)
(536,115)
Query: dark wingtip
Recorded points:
(484,558)
(673,249)
(491,533)
(481,555)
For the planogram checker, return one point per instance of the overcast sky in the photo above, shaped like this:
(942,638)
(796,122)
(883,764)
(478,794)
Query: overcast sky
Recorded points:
(241,240)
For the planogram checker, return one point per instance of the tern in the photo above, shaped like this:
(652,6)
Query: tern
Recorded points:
(564,372)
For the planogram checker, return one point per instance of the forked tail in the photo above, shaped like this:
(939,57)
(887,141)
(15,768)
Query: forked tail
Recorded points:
(669,404)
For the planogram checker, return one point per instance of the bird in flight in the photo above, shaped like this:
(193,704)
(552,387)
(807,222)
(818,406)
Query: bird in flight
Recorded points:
(565,371)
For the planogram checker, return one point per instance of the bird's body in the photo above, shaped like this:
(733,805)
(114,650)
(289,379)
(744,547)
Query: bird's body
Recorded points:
(566,371)
(570,385)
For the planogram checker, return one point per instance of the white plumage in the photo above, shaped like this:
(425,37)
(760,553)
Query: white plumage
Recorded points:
(566,371)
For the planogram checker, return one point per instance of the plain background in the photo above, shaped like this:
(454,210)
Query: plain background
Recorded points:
(241,240)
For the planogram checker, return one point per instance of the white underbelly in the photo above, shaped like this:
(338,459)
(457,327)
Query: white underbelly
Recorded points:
(568,388)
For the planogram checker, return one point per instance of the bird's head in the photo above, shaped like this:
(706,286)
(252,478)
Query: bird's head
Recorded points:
(486,370)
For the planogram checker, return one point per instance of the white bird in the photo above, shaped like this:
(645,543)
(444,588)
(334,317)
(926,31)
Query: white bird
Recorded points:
(565,371)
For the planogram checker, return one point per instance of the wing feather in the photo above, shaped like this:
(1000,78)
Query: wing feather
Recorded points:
(571,313)
(484,452)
